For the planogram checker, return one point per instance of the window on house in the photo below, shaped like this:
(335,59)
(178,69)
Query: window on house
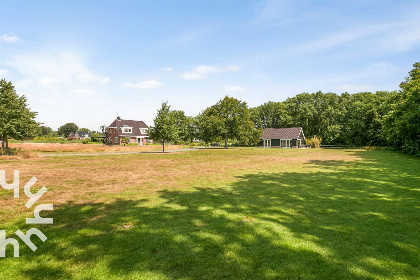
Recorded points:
(116,140)
(143,130)
(127,129)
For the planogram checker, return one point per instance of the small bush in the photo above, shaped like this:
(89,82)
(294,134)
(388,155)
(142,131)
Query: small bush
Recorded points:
(315,142)
(86,141)
(194,144)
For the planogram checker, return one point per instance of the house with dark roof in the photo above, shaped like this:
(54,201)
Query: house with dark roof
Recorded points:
(291,137)
(81,135)
(135,131)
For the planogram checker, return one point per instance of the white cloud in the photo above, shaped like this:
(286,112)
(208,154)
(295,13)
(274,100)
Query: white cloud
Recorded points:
(64,66)
(151,84)
(9,38)
(202,71)
(168,69)
(191,76)
(23,83)
(4,71)
(57,78)
(83,91)
(340,38)
(231,89)
(87,77)
(47,82)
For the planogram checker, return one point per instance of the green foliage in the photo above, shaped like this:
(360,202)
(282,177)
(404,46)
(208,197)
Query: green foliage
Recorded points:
(315,141)
(402,123)
(186,127)
(125,140)
(87,140)
(49,139)
(228,119)
(17,121)
(84,129)
(317,113)
(67,128)
(270,115)
(362,123)
(45,130)
(165,126)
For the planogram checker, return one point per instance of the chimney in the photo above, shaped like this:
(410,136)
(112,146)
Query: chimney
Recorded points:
(118,118)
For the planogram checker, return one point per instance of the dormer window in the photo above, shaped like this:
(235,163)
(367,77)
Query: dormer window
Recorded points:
(127,129)
(143,130)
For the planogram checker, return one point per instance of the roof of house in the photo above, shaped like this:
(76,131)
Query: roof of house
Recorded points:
(136,125)
(82,133)
(282,133)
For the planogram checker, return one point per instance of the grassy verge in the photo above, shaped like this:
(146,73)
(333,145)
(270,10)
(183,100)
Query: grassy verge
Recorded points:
(217,214)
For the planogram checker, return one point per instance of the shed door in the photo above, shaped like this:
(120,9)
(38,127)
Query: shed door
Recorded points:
(267,143)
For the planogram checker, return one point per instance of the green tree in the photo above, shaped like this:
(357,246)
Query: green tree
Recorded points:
(16,119)
(363,117)
(165,126)
(227,119)
(270,115)
(45,130)
(67,128)
(84,129)
(191,129)
(401,126)
(181,123)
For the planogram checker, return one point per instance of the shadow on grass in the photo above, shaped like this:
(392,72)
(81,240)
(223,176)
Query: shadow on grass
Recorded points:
(339,220)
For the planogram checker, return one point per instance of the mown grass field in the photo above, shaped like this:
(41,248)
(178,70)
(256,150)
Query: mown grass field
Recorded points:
(221,214)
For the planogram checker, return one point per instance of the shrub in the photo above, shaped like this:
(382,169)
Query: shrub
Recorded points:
(86,141)
(315,141)
(195,144)
(125,140)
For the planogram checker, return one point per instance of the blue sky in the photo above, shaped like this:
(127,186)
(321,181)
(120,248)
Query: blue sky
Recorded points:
(90,61)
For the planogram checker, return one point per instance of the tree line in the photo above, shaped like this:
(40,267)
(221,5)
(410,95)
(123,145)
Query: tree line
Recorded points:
(362,119)
(382,118)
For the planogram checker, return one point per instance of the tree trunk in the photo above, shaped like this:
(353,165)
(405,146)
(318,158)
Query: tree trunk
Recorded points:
(226,139)
(7,144)
(2,143)
(163,146)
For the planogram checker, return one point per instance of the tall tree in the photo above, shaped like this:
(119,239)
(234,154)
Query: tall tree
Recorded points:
(67,128)
(45,130)
(227,119)
(181,123)
(191,129)
(84,129)
(16,119)
(165,126)
(270,115)
(402,123)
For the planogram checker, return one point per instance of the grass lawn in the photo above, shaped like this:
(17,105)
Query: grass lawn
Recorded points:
(220,214)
